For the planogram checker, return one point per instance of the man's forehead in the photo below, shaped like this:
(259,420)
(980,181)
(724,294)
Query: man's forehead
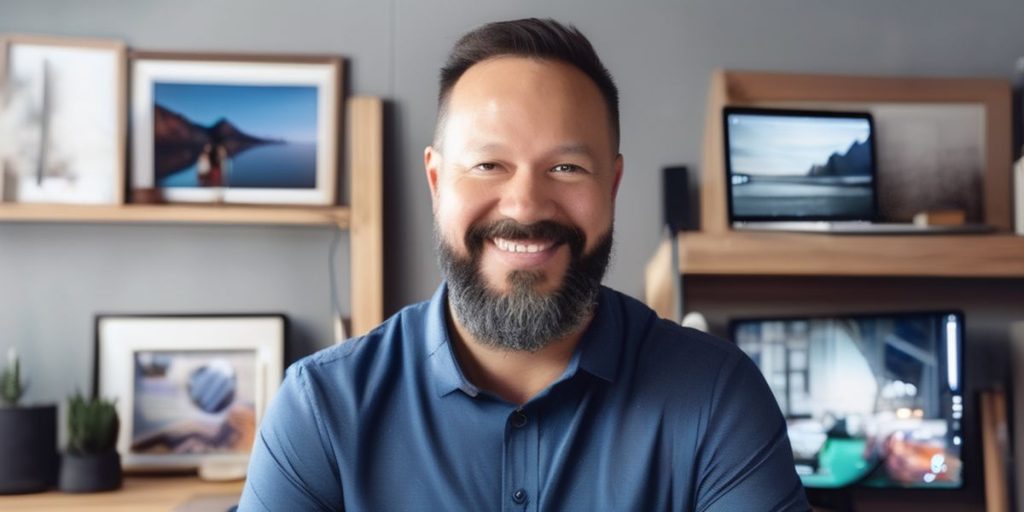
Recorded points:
(527,97)
(569,147)
(509,73)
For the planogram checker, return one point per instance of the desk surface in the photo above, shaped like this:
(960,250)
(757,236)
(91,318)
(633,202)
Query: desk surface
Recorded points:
(139,494)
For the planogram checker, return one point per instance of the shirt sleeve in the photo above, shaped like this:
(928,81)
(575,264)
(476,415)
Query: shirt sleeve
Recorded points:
(292,466)
(745,461)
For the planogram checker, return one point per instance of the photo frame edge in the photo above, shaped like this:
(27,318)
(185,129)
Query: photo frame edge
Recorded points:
(135,463)
(120,50)
(336,64)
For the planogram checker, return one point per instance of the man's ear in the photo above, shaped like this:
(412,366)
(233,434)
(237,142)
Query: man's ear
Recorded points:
(618,176)
(432,165)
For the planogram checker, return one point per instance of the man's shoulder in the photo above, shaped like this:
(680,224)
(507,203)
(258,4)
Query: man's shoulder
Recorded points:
(386,346)
(667,336)
(659,344)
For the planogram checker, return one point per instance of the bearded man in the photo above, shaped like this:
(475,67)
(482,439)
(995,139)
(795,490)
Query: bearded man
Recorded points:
(523,384)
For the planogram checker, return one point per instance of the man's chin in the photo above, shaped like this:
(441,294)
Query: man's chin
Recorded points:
(538,283)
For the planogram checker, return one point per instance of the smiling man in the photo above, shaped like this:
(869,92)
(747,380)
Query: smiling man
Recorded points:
(523,384)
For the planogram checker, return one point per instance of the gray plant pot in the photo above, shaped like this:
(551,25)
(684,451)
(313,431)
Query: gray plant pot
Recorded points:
(90,473)
(28,442)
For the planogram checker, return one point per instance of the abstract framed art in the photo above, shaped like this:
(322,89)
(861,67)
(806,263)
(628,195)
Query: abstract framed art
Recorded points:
(189,390)
(236,128)
(62,119)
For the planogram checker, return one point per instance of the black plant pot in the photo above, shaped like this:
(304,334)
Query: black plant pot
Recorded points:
(90,473)
(28,444)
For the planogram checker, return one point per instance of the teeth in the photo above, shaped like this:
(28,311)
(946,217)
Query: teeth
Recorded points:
(509,246)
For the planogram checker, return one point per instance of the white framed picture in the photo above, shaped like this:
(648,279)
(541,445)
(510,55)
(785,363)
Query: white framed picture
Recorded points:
(189,390)
(62,120)
(236,129)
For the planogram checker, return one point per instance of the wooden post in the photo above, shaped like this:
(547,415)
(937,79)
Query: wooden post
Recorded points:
(366,153)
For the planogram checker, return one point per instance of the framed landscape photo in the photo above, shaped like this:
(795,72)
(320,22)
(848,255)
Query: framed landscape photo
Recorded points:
(62,120)
(236,128)
(189,390)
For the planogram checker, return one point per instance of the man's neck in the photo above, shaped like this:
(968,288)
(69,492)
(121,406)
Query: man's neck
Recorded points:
(514,375)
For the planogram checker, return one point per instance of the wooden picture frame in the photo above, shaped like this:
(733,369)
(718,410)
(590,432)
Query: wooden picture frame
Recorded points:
(229,128)
(62,119)
(189,389)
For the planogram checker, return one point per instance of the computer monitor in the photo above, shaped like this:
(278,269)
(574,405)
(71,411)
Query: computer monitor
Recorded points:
(870,400)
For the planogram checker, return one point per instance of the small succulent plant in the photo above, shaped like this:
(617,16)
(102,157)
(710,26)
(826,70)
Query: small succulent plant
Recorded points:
(92,425)
(11,387)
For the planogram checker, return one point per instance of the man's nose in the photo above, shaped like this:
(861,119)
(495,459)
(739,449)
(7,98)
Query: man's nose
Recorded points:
(527,197)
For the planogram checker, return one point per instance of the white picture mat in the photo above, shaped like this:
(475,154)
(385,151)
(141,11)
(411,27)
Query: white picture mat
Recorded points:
(83,160)
(146,73)
(121,337)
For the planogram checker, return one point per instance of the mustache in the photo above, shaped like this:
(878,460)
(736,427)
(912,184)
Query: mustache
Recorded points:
(511,230)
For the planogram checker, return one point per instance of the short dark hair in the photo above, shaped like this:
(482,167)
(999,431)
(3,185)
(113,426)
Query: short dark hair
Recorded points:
(534,38)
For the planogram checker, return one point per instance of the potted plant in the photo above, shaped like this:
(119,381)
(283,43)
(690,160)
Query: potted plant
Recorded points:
(91,462)
(28,436)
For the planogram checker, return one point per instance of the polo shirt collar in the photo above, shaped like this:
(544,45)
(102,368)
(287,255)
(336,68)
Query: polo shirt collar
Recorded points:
(601,346)
(598,352)
(444,369)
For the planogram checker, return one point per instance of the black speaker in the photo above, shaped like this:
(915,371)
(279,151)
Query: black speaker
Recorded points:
(675,198)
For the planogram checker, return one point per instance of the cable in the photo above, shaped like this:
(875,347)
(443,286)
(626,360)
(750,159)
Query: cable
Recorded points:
(332,269)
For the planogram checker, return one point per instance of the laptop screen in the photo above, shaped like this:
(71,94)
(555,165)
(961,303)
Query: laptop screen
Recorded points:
(799,165)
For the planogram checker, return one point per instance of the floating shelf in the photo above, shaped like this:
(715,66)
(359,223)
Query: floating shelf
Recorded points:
(793,254)
(166,213)
(797,254)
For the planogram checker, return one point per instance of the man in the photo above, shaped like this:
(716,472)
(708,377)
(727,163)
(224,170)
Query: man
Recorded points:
(523,384)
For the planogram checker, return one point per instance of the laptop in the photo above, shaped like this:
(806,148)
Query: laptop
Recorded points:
(807,171)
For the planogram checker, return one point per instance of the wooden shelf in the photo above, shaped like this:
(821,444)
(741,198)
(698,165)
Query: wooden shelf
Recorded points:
(364,218)
(795,254)
(139,494)
(852,255)
(166,213)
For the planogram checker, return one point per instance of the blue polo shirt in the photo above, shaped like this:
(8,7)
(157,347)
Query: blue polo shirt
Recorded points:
(648,416)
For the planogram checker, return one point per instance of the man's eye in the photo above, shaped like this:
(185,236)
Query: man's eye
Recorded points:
(486,166)
(565,168)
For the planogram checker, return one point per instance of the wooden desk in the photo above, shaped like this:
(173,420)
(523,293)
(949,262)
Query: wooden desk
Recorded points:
(139,494)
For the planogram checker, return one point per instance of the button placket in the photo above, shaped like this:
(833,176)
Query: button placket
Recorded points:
(519,462)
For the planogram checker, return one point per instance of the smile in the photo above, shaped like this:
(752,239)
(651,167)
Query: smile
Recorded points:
(522,246)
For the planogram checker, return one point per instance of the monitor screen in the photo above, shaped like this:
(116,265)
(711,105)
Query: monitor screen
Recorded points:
(799,165)
(869,400)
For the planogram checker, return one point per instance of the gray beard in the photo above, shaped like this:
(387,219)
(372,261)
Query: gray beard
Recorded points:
(522,319)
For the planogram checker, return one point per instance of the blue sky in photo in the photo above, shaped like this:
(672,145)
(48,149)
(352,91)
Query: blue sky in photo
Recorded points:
(782,145)
(267,111)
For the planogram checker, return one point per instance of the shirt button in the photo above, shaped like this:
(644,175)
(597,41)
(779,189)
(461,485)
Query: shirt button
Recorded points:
(519,496)
(519,419)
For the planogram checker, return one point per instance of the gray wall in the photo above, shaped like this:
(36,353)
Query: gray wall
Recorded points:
(54,277)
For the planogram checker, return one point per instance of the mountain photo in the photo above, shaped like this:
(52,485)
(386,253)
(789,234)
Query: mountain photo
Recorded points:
(239,136)
(800,167)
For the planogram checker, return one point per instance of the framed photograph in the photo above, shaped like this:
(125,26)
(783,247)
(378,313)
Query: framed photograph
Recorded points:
(931,156)
(189,389)
(236,129)
(62,120)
